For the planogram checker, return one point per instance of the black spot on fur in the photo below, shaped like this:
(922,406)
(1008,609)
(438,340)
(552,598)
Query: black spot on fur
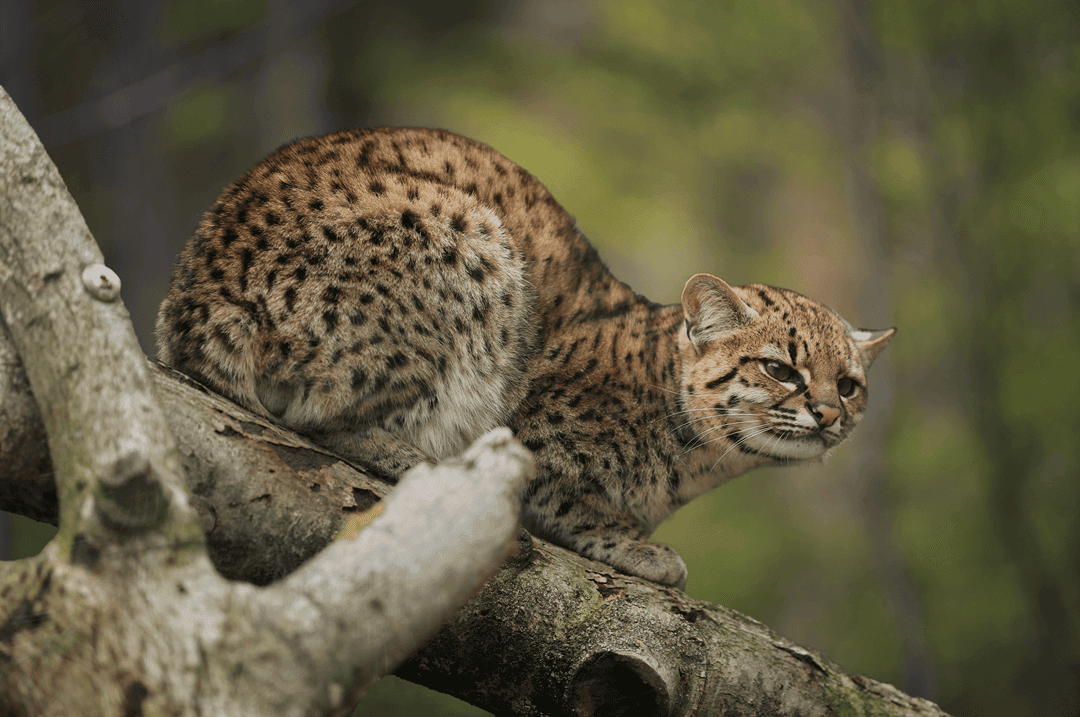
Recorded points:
(332,295)
(245,263)
(224,340)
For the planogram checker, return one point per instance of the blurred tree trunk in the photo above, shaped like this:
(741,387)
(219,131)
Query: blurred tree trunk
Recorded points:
(868,82)
(18,78)
(1004,82)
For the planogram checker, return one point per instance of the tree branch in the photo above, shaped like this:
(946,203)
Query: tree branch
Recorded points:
(553,632)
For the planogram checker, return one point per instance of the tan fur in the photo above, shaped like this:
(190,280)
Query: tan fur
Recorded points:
(395,293)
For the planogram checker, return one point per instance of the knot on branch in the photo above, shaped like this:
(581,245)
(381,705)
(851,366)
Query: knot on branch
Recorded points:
(617,683)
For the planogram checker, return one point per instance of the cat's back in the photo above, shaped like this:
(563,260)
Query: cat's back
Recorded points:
(379,274)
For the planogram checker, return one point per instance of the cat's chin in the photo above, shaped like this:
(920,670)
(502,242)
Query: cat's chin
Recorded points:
(786,449)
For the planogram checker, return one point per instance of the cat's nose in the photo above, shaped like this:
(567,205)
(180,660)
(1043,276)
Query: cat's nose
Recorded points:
(824,414)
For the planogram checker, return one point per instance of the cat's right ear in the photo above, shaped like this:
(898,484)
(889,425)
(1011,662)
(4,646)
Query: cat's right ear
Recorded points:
(712,309)
(871,343)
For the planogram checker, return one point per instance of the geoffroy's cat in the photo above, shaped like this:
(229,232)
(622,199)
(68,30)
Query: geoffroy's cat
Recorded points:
(396,293)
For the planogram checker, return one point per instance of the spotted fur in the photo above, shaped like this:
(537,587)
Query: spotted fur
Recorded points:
(395,293)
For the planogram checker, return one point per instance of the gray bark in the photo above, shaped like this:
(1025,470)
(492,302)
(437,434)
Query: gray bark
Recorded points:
(100,616)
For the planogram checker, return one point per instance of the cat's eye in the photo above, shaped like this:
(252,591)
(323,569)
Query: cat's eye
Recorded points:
(845,386)
(782,372)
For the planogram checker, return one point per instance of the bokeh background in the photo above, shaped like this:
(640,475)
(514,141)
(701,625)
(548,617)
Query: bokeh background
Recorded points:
(908,162)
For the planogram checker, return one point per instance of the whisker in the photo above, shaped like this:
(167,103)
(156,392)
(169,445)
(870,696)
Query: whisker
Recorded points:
(744,439)
(711,411)
(710,414)
(705,418)
(700,438)
(745,421)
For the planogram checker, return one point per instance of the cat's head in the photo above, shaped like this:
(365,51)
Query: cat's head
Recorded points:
(769,374)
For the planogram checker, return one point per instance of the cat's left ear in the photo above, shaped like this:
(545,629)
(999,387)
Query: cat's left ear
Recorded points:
(712,309)
(871,343)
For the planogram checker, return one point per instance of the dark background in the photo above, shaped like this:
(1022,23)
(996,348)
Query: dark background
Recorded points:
(912,163)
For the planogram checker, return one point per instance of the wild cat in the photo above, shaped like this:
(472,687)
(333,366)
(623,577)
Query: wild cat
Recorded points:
(395,293)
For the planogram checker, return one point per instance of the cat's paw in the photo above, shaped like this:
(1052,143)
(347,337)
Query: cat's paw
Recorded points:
(653,561)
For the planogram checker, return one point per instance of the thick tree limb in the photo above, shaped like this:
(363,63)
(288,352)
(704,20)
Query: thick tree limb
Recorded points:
(552,633)
(123,613)
(136,624)
(106,435)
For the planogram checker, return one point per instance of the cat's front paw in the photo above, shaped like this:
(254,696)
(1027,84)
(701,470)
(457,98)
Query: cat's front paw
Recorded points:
(653,561)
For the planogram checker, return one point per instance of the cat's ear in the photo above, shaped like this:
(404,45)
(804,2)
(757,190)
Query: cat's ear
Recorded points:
(712,309)
(871,343)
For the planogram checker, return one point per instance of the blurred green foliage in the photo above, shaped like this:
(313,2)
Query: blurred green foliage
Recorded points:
(692,135)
